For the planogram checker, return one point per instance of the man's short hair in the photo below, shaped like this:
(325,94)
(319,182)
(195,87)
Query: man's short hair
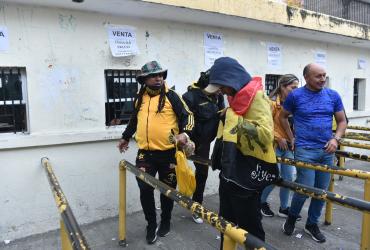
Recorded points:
(306,69)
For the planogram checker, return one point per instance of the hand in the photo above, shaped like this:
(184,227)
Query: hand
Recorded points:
(181,139)
(331,146)
(122,145)
(292,142)
(282,144)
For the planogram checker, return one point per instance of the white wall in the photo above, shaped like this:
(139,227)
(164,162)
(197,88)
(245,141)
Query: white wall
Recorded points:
(65,53)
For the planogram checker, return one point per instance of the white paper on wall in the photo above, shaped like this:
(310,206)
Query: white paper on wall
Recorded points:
(361,63)
(213,48)
(320,58)
(4,39)
(274,55)
(122,41)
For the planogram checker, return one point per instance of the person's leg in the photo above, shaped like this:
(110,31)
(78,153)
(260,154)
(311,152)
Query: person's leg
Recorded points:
(322,180)
(286,172)
(201,171)
(167,175)
(246,207)
(266,192)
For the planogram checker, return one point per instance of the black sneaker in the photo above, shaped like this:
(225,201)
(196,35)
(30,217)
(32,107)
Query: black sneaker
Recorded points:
(289,225)
(265,210)
(151,233)
(315,233)
(164,228)
(284,213)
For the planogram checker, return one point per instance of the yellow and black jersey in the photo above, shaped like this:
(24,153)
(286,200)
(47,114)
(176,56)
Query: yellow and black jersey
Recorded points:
(154,128)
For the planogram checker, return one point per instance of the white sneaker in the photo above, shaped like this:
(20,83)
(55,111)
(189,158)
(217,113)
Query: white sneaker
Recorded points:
(197,219)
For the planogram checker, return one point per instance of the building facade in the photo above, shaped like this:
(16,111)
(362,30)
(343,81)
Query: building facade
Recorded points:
(64,95)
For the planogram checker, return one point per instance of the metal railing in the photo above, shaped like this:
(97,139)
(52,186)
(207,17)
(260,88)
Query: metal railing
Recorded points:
(233,235)
(70,232)
(328,196)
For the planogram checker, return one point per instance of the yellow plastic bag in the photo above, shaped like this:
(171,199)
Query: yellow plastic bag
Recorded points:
(184,175)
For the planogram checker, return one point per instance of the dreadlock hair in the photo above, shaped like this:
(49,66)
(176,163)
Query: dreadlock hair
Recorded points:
(284,81)
(139,98)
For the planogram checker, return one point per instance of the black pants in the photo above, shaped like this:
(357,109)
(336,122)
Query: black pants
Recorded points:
(201,171)
(162,162)
(242,207)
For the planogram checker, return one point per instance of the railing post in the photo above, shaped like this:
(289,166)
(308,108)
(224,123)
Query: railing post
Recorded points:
(66,244)
(341,161)
(329,205)
(228,243)
(365,235)
(122,206)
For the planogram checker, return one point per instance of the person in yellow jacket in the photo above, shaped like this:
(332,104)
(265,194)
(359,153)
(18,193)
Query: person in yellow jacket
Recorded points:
(159,114)
(246,158)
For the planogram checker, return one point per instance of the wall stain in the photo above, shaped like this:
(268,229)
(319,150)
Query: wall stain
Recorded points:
(67,22)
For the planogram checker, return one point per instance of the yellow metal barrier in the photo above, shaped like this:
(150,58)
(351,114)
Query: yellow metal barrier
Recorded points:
(122,206)
(365,235)
(357,136)
(358,128)
(354,144)
(70,232)
(232,234)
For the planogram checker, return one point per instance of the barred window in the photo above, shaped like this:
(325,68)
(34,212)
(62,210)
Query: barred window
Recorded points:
(359,90)
(13,110)
(121,89)
(271,82)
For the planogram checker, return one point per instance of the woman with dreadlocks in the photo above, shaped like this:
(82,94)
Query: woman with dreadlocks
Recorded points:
(282,145)
(159,114)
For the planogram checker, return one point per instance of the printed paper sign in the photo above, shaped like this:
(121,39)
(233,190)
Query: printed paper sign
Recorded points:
(211,54)
(213,40)
(361,63)
(213,48)
(4,39)
(320,58)
(122,41)
(274,55)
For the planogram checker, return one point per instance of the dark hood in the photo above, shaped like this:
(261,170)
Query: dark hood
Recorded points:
(228,72)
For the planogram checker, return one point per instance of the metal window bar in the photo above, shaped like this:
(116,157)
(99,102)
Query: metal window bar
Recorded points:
(12,105)
(354,10)
(271,82)
(122,88)
(355,94)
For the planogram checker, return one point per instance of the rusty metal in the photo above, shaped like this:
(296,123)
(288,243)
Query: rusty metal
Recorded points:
(351,155)
(358,128)
(329,205)
(237,234)
(357,136)
(76,238)
(354,144)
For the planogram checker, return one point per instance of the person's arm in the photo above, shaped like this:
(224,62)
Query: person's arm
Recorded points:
(128,133)
(283,117)
(185,117)
(340,118)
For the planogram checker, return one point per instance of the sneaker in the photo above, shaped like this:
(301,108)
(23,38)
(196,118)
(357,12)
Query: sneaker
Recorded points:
(289,225)
(197,219)
(151,234)
(315,233)
(164,228)
(265,210)
(284,213)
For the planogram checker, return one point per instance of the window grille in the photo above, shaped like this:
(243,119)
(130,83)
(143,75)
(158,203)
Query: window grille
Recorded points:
(271,82)
(13,114)
(121,89)
(356,84)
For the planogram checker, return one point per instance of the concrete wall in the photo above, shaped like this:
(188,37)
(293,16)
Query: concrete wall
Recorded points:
(65,53)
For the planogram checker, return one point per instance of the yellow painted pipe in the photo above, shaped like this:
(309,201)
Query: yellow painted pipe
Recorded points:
(357,136)
(365,235)
(228,243)
(358,128)
(352,144)
(329,205)
(66,244)
(122,206)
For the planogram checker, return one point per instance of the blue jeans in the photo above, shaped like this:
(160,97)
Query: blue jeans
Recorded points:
(286,172)
(313,178)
